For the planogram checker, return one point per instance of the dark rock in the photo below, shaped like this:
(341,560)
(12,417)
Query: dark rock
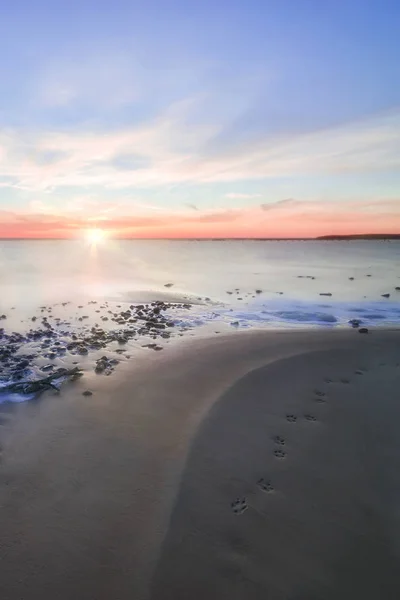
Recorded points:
(351,278)
(40,385)
(397,289)
(363,330)
(355,323)
(325,294)
(87,393)
(385,295)
(168,285)
(257,292)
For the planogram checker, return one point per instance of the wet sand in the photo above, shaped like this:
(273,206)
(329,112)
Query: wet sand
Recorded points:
(254,465)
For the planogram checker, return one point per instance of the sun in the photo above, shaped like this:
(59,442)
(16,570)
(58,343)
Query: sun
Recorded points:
(95,236)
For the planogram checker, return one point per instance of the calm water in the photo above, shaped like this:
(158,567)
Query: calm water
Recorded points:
(291,275)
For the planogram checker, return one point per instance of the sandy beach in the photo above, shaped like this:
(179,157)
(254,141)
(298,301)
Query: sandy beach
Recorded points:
(251,465)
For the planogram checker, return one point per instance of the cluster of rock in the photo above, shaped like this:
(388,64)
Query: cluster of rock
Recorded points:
(51,340)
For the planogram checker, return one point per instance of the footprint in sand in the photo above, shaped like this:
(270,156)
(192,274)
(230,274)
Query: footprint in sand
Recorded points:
(328,380)
(309,417)
(320,397)
(279,440)
(239,506)
(279,453)
(265,485)
(319,393)
(291,418)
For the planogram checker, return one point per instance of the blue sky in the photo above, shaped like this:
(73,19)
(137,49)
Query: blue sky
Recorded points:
(225,104)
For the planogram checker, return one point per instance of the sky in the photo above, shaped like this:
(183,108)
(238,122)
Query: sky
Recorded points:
(228,118)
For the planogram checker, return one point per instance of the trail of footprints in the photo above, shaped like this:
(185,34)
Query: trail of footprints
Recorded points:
(240,505)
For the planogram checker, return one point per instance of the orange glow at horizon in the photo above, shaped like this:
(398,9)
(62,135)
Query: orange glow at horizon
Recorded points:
(296,219)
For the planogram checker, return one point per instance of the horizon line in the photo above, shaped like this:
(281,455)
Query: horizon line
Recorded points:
(329,237)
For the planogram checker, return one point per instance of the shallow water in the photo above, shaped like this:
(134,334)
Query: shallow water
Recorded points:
(291,275)
(69,304)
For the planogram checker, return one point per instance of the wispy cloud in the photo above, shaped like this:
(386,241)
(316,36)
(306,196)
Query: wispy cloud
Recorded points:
(171,150)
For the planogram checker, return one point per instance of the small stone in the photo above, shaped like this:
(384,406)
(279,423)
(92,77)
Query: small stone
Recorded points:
(82,350)
(351,278)
(87,393)
(363,330)
(257,292)
(168,285)
(355,323)
(385,295)
(397,289)
(325,294)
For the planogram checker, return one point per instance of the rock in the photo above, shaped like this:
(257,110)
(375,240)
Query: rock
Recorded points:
(40,385)
(363,330)
(82,350)
(325,294)
(385,295)
(87,393)
(355,323)
(168,285)
(351,278)
(101,365)
(257,292)
(397,289)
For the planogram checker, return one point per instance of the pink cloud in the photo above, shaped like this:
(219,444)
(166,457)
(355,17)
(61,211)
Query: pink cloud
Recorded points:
(285,218)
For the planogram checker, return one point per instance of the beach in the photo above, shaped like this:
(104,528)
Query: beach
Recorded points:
(256,464)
